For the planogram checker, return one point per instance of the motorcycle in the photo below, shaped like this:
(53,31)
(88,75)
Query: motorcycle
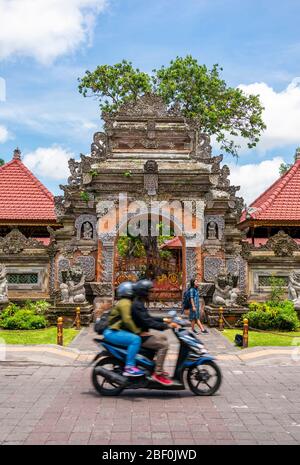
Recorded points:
(194,366)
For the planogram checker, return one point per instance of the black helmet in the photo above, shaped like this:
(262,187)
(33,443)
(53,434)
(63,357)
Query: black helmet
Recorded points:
(125,289)
(142,288)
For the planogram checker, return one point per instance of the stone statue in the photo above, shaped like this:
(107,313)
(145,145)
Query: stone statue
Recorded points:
(294,288)
(212,230)
(226,290)
(72,289)
(3,284)
(87,230)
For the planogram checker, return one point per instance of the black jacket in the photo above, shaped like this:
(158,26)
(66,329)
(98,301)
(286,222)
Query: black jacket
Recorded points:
(144,320)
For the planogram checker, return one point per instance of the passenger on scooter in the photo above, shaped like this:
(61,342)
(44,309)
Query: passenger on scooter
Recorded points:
(142,318)
(122,329)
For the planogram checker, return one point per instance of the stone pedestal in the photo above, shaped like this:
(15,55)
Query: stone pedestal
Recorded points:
(68,312)
(231,314)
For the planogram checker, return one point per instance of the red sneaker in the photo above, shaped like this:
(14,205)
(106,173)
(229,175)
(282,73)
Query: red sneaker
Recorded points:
(161,379)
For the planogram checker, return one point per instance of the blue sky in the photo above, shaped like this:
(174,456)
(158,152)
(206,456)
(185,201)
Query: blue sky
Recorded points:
(46,44)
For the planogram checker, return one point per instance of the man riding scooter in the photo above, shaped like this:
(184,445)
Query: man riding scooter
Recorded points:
(143,320)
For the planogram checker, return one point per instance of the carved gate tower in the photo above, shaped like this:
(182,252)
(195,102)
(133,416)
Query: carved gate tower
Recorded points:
(149,153)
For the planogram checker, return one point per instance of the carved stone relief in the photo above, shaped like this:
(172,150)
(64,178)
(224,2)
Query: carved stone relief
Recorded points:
(191,263)
(84,232)
(88,266)
(212,267)
(219,221)
(63,264)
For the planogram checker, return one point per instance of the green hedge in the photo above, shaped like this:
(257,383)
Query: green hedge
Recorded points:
(28,317)
(273,315)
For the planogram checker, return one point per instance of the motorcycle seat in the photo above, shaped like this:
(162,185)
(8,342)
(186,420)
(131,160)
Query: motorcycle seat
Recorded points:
(149,353)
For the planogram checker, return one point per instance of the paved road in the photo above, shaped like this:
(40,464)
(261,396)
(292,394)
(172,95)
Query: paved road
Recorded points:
(258,403)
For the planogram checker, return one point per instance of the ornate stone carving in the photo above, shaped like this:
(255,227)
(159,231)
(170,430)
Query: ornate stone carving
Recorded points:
(202,147)
(3,284)
(99,145)
(282,245)
(151,166)
(151,177)
(72,288)
(148,105)
(226,289)
(90,230)
(219,221)
(246,250)
(294,288)
(212,266)
(76,173)
(62,265)
(88,266)
(191,263)
(101,289)
(212,230)
(107,262)
(15,242)
(238,267)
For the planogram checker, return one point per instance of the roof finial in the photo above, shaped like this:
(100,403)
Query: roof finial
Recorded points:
(17,154)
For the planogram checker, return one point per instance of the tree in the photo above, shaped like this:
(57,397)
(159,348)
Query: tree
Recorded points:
(115,85)
(201,94)
(284,167)
(2,162)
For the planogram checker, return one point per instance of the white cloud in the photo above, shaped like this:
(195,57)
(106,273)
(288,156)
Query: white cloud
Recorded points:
(4,134)
(281,115)
(254,179)
(49,162)
(46,29)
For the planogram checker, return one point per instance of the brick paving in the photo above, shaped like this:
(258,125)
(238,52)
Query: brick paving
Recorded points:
(46,404)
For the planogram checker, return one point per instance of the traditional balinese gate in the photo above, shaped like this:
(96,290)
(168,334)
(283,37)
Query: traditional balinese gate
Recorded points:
(167,272)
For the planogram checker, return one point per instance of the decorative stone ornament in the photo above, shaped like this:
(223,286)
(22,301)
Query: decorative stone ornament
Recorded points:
(151,177)
(282,244)
(86,227)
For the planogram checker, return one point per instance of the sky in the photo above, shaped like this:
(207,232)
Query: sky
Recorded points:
(45,45)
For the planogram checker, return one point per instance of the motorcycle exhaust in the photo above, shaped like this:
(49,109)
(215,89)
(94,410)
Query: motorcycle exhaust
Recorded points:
(111,376)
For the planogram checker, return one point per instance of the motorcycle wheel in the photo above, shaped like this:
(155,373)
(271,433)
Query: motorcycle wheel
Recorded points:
(102,385)
(205,379)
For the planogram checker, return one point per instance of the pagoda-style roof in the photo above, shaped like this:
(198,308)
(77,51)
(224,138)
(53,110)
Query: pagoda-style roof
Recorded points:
(23,198)
(279,204)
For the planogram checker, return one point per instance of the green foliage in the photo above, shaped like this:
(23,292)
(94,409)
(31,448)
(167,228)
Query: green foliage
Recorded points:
(130,247)
(115,85)
(200,93)
(165,254)
(84,196)
(284,167)
(93,173)
(30,316)
(24,319)
(127,174)
(2,162)
(273,315)
(277,289)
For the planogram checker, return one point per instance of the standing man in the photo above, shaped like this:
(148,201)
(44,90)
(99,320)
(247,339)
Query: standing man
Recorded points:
(194,307)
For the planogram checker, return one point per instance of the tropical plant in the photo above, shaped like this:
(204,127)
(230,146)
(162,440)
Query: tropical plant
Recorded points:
(200,93)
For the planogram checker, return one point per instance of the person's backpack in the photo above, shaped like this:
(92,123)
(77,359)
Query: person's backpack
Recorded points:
(101,322)
(238,340)
(186,301)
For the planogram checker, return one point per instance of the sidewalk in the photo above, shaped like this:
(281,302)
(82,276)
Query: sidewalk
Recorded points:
(83,349)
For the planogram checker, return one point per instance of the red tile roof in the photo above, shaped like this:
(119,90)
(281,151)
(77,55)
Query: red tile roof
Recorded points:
(174,243)
(22,196)
(281,201)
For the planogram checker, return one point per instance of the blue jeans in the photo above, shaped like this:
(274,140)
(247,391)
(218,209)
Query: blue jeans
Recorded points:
(124,338)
